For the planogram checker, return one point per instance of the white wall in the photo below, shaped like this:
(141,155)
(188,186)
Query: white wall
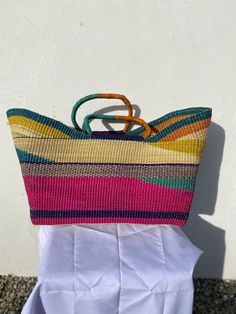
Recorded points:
(163,55)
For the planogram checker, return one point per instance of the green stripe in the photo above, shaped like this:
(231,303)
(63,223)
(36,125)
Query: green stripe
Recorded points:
(177,183)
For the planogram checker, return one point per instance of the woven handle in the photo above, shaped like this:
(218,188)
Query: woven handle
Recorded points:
(87,128)
(102,95)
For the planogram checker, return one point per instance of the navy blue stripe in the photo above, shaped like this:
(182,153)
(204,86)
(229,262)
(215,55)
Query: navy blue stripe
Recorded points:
(116,135)
(135,138)
(117,163)
(105,213)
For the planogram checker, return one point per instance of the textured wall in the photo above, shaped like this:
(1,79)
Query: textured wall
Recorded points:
(163,55)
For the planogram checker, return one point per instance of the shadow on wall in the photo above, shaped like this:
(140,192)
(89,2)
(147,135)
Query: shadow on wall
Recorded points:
(207,237)
(110,109)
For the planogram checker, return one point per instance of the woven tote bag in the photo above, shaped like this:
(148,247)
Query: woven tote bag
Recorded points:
(76,175)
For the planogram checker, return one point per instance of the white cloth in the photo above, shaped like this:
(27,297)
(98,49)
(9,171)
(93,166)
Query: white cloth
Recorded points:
(114,268)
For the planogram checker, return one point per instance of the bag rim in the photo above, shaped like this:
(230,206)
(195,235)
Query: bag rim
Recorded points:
(197,114)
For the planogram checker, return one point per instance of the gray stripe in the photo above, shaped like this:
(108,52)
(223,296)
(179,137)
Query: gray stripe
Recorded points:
(134,171)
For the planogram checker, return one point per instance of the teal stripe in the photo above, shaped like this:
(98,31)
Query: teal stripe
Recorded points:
(200,113)
(177,183)
(27,157)
(47,121)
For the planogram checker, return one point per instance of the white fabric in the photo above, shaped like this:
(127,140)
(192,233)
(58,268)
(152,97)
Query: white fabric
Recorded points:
(114,269)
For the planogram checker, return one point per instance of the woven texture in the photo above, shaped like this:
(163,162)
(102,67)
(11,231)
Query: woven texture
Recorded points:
(110,177)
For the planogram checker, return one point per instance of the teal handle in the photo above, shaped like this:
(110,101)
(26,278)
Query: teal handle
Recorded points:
(86,127)
(101,95)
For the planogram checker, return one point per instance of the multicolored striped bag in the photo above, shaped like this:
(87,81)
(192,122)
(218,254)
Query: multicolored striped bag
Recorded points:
(143,176)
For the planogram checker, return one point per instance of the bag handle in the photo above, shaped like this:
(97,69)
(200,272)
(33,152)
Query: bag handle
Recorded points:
(87,128)
(102,95)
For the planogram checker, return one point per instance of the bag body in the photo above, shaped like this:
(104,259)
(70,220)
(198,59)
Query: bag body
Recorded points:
(72,176)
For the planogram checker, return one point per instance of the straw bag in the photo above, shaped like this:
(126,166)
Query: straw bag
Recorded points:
(76,175)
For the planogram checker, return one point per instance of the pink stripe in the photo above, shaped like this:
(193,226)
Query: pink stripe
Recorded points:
(95,220)
(95,193)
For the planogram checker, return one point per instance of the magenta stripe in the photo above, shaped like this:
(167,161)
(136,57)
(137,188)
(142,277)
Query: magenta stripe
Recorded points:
(107,193)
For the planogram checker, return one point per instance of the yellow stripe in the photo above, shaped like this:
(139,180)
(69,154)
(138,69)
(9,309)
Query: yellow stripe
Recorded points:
(34,127)
(188,146)
(201,135)
(102,151)
(19,130)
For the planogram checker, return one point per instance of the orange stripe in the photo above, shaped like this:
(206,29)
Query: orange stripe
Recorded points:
(187,129)
(165,124)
